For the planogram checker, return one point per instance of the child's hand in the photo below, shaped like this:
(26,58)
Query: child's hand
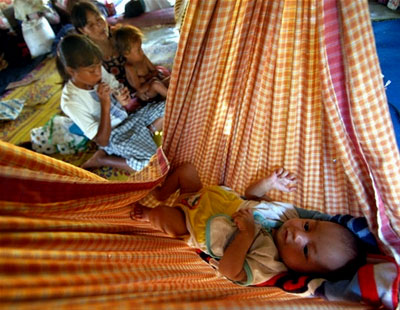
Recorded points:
(123,96)
(104,91)
(143,96)
(142,92)
(244,221)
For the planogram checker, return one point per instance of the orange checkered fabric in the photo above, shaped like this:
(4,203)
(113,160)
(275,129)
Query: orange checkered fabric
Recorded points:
(255,86)
(67,242)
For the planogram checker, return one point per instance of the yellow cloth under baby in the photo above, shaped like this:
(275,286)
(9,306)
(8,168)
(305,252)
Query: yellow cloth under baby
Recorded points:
(199,207)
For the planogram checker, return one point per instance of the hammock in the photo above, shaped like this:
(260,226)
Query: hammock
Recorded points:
(263,84)
(67,242)
(255,85)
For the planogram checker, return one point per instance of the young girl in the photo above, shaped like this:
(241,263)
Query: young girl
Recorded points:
(148,80)
(88,101)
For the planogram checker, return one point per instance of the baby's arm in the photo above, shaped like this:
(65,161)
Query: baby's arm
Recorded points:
(104,130)
(280,179)
(232,262)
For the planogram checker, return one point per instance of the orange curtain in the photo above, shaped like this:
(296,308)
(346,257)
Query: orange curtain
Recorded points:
(254,87)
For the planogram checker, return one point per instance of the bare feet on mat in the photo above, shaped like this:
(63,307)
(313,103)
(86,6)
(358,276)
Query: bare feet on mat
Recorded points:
(95,161)
(140,213)
(282,180)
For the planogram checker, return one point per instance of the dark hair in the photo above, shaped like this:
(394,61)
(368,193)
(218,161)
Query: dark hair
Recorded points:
(358,253)
(125,36)
(78,13)
(359,258)
(76,51)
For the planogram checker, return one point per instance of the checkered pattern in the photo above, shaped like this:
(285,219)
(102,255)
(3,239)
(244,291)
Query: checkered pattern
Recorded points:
(254,87)
(263,84)
(67,242)
(132,139)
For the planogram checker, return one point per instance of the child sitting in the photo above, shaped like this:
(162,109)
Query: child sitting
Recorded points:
(254,239)
(87,99)
(148,80)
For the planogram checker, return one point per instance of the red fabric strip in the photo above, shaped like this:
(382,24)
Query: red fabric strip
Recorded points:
(366,280)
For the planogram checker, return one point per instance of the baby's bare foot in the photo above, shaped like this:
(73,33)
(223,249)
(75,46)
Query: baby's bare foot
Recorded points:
(140,213)
(282,180)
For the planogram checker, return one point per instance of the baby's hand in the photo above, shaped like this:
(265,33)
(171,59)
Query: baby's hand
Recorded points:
(244,221)
(283,180)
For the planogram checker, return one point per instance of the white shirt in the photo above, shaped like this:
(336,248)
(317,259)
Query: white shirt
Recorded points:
(83,107)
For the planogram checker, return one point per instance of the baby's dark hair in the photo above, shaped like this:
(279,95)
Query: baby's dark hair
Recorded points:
(78,14)
(356,257)
(125,36)
(357,253)
(76,51)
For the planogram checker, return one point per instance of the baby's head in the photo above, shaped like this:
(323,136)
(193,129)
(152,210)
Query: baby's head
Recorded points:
(128,40)
(316,247)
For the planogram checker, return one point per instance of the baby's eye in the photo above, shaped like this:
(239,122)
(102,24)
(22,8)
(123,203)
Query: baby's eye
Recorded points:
(305,251)
(306,226)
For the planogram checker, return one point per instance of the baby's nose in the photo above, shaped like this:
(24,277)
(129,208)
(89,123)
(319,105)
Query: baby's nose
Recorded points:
(300,238)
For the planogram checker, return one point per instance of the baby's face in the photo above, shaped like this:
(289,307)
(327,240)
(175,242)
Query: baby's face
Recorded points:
(311,246)
(136,53)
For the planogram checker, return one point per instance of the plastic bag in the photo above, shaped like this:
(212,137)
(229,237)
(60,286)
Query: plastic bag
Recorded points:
(38,35)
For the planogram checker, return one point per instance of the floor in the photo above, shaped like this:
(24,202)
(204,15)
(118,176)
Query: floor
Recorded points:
(380,12)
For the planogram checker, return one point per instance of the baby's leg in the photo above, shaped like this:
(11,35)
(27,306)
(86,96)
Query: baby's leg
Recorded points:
(280,179)
(184,177)
(167,219)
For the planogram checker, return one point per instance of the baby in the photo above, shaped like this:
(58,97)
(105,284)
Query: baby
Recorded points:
(148,80)
(253,239)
